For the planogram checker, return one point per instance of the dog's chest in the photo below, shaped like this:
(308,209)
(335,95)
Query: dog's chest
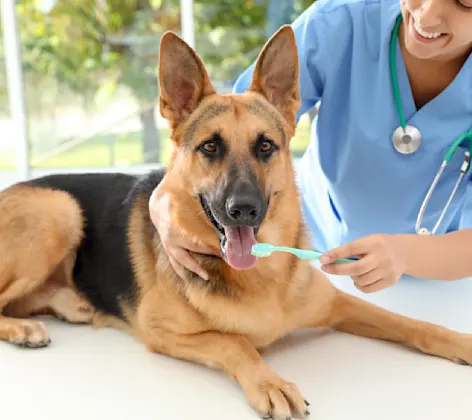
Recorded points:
(252,308)
(260,318)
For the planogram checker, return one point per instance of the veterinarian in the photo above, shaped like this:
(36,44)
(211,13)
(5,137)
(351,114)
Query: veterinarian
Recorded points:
(394,82)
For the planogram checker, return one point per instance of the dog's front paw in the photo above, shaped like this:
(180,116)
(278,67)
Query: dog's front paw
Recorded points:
(274,398)
(462,353)
(27,333)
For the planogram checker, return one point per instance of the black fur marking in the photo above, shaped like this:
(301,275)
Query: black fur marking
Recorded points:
(103,270)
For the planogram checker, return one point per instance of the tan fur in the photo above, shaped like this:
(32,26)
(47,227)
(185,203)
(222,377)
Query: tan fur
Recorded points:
(224,322)
(36,260)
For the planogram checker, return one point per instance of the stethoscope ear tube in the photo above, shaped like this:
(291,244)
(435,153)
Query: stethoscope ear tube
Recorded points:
(464,169)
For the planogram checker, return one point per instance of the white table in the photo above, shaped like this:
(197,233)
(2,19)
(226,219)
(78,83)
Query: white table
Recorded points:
(105,374)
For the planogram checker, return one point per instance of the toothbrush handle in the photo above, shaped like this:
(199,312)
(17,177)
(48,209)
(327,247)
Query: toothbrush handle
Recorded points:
(345,260)
(306,254)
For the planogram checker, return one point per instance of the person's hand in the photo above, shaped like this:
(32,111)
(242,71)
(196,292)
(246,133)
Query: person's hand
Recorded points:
(381,262)
(175,245)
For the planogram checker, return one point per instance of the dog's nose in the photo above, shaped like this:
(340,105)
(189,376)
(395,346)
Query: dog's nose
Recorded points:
(243,209)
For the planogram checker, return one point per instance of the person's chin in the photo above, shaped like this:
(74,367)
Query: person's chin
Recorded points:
(421,53)
(424,48)
(428,54)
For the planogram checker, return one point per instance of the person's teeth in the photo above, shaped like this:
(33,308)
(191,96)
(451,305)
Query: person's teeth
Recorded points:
(425,34)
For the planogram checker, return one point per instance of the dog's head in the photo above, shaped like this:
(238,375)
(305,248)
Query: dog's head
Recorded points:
(231,151)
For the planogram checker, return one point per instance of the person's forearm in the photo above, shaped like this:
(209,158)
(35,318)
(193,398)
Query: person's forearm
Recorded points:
(438,257)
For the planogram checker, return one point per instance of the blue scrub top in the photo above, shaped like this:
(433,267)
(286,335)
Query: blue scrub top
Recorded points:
(352,181)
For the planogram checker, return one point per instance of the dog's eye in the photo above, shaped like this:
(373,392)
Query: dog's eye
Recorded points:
(265,147)
(210,147)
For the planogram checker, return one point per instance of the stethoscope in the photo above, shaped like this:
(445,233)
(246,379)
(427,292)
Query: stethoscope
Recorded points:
(407,139)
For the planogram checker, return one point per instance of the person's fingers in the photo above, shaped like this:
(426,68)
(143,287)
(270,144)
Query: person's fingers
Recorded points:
(198,248)
(374,287)
(352,249)
(178,268)
(158,201)
(176,245)
(191,265)
(356,268)
(344,269)
(184,258)
(368,278)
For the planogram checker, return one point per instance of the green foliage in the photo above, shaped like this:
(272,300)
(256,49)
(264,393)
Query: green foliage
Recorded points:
(93,46)
(230,33)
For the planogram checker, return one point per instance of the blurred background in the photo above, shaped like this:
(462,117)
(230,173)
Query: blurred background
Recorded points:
(78,83)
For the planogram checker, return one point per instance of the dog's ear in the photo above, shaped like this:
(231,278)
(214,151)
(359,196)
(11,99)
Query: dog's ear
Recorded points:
(183,79)
(276,72)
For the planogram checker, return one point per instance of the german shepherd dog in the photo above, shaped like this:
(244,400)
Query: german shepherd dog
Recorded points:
(83,247)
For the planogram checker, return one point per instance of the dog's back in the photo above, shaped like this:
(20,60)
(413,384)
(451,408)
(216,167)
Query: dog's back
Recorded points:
(91,213)
(102,271)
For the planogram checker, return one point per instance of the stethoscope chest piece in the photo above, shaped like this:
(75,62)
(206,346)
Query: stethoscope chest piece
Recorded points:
(406,140)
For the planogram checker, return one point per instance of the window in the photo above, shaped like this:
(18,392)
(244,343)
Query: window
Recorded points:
(90,80)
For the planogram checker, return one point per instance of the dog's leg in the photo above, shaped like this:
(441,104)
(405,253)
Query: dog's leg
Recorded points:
(39,229)
(270,395)
(65,303)
(356,316)
(56,297)
(68,306)
(168,325)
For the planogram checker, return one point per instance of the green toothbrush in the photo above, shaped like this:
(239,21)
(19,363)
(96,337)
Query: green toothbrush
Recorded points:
(264,250)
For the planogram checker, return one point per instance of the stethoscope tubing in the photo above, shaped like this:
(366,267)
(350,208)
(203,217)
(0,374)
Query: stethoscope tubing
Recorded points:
(450,152)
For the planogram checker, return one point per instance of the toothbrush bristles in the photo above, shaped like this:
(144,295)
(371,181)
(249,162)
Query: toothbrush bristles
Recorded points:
(260,254)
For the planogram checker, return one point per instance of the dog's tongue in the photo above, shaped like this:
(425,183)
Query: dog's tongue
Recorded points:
(239,243)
